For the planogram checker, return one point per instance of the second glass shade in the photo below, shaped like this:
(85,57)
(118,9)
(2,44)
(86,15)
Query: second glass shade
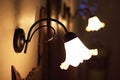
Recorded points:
(94,24)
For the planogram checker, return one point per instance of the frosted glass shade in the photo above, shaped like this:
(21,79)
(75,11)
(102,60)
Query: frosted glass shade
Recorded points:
(76,52)
(94,24)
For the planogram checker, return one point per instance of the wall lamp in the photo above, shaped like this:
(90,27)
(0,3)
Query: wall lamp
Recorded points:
(75,50)
(94,23)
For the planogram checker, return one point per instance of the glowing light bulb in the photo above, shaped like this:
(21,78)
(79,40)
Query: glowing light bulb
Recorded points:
(94,24)
(76,53)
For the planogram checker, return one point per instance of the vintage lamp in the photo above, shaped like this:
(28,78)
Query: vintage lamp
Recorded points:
(75,50)
(94,24)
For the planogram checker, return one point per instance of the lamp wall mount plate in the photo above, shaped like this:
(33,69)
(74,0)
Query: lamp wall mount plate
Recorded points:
(19,40)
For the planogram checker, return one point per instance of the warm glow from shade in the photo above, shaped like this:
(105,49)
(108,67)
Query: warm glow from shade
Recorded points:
(94,24)
(76,52)
(63,21)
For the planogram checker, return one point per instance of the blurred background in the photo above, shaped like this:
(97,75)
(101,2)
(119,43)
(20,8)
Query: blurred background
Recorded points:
(48,56)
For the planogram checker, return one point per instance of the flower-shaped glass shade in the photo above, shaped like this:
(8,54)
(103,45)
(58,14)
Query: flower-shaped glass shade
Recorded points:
(94,24)
(76,52)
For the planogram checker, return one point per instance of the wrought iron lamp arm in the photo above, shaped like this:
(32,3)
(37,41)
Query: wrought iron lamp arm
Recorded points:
(19,40)
(40,28)
(45,19)
(29,37)
(41,20)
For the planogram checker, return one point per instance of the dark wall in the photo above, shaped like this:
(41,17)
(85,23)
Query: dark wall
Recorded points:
(103,67)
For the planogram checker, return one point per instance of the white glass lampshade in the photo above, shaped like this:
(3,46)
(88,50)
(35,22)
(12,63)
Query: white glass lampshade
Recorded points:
(76,52)
(94,24)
